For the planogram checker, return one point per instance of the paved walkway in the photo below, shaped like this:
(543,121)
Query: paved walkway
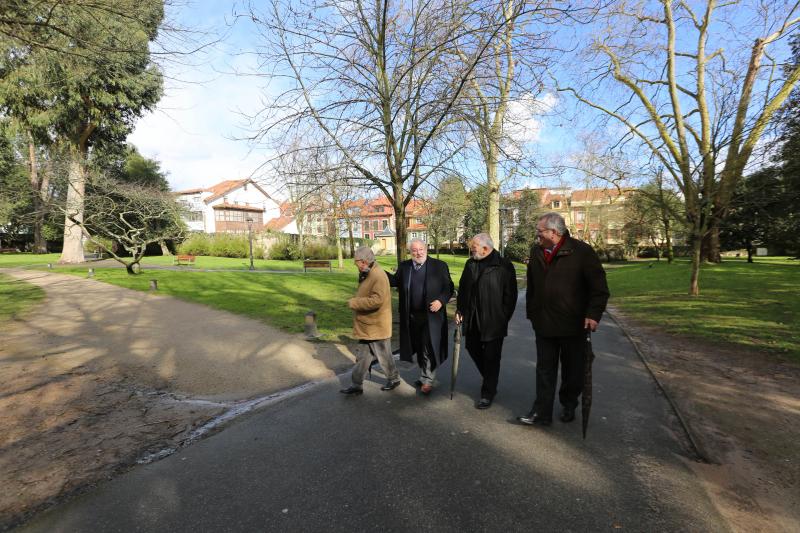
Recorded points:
(164,342)
(396,461)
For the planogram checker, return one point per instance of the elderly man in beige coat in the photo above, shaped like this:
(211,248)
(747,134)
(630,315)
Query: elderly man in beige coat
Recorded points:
(372,323)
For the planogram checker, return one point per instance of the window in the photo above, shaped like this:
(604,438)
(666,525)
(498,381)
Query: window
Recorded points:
(556,204)
(385,224)
(194,216)
(580,216)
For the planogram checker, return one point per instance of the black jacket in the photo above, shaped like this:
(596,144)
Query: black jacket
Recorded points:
(438,286)
(561,295)
(487,296)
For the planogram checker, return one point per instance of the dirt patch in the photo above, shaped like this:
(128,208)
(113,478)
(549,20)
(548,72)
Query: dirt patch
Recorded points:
(743,408)
(97,377)
(67,430)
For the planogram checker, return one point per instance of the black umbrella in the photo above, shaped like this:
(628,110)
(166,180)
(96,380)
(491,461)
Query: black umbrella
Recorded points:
(456,355)
(586,395)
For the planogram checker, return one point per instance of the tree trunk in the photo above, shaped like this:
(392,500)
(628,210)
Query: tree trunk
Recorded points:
(668,241)
(712,252)
(694,284)
(339,253)
(164,248)
(39,244)
(73,241)
(351,239)
(493,214)
(400,224)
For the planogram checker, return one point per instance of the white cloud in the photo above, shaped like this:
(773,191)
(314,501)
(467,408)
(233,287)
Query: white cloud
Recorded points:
(524,118)
(192,132)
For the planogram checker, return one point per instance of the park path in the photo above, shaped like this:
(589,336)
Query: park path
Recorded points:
(397,461)
(162,341)
(98,377)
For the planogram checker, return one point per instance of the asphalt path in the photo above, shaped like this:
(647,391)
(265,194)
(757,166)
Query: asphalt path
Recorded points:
(398,461)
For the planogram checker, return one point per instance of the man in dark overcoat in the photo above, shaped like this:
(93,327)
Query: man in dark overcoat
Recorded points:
(424,288)
(487,295)
(567,295)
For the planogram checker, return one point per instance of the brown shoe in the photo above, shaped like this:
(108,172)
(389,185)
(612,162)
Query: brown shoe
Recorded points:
(426,389)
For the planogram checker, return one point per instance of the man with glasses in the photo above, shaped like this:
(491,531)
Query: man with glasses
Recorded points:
(566,295)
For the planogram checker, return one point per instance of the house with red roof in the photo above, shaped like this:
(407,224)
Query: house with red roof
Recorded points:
(230,206)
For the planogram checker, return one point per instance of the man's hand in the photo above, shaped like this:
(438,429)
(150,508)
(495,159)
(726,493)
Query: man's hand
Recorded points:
(590,324)
(435,306)
(458,318)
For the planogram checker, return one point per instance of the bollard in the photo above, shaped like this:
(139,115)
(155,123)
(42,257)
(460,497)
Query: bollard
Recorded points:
(91,273)
(311,325)
(153,284)
(50,266)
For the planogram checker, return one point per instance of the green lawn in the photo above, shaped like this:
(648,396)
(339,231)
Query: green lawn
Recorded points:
(17,297)
(280,299)
(750,304)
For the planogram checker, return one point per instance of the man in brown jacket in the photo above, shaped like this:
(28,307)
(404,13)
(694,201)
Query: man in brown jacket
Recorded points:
(372,323)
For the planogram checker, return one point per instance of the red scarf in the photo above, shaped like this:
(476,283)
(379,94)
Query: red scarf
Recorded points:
(549,254)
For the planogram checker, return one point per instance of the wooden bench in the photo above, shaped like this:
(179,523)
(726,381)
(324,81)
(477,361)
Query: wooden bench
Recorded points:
(316,263)
(8,251)
(183,260)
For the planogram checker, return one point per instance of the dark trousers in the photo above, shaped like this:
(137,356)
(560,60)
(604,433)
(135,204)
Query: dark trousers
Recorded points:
(421,345)
(487,358)
(550,350)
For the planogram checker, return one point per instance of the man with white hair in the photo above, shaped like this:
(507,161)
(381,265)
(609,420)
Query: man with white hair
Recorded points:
(566,296)
(487,295)
(424,287)
(372,323)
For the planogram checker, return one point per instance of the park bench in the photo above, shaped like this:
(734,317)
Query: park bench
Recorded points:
(8,251)
(183,260)
(316,263)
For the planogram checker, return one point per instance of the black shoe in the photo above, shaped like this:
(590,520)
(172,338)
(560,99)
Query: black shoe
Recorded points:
(485,403)
(534,419)
(568,414)
(391,385)
(418,383)
(352,391)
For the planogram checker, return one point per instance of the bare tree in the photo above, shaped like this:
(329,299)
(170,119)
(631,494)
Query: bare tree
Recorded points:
(503,93)
(696,86)
(377,79)
(131,215)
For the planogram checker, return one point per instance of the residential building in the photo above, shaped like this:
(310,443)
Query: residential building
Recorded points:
(228,207)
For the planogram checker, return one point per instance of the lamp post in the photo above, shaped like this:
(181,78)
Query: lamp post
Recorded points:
(503,211)
(250,235)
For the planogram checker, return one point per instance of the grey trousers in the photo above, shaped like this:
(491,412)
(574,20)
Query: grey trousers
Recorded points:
(369,350)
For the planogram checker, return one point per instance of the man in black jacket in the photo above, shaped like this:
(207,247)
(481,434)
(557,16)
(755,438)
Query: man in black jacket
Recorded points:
(424,287)
(567,294)
(487,295)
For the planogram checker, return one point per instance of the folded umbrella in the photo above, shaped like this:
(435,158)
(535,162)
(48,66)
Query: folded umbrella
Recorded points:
(456,355)
(586,395)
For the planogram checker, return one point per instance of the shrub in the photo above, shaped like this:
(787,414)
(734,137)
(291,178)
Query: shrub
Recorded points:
(286,250)
(219,245)
(92,247)
(317,250)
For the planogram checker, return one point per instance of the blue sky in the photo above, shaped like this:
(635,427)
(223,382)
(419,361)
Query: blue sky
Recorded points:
(194,130)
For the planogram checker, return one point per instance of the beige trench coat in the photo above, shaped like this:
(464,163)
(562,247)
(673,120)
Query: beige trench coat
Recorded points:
(372,307)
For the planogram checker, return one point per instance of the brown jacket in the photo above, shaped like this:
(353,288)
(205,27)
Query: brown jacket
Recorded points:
(372,307)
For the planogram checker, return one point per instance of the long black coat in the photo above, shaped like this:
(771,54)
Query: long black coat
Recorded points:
(491,294)
(572,288)
(438,286)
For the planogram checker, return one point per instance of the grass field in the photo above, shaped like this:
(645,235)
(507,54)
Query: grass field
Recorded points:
(749,304)
(754,305)
(17,297)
